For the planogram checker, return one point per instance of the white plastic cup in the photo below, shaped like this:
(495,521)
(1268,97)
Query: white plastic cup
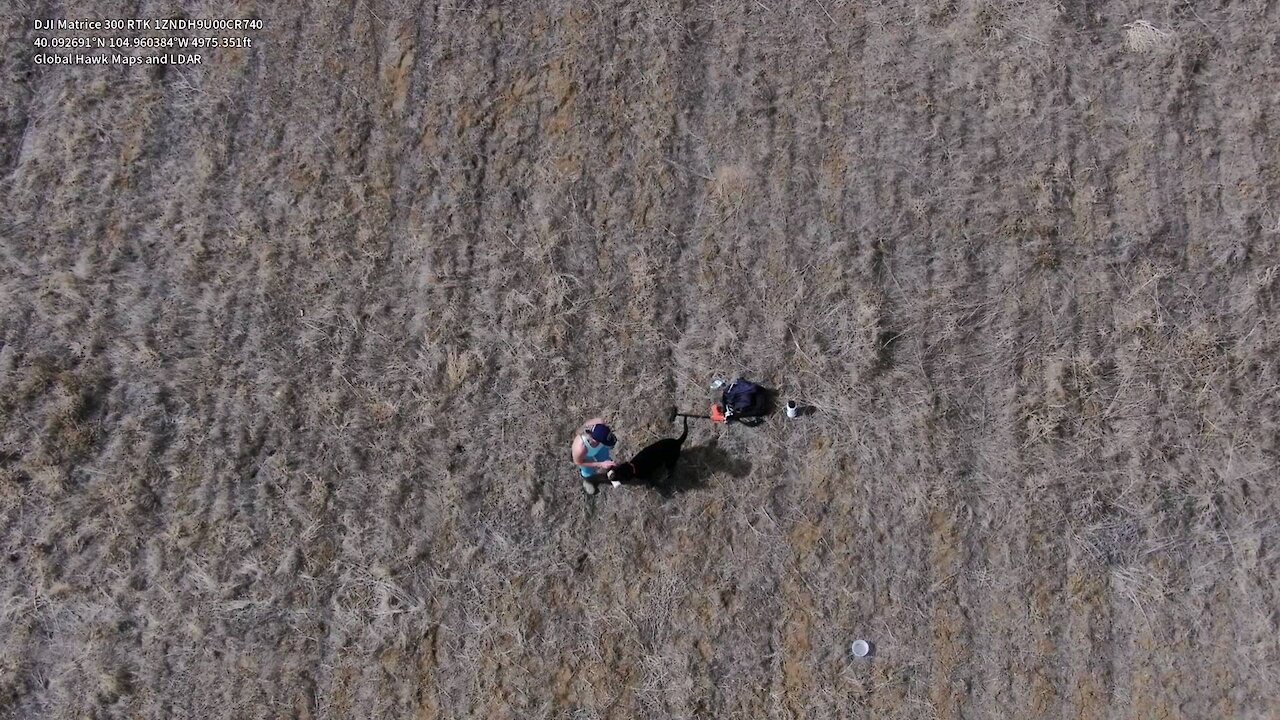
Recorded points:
(793,410)
(860,648)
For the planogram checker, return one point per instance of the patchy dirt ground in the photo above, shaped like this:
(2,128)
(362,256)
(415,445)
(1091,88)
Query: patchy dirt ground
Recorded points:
(294,343)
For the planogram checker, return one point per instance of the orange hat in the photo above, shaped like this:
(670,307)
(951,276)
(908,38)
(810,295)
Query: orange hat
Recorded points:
(717,413)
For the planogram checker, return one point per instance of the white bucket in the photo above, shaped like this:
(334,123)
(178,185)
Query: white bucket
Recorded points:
(860,648)
(793,410)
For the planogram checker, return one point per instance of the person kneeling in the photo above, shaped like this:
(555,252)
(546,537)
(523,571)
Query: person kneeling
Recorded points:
(591,453)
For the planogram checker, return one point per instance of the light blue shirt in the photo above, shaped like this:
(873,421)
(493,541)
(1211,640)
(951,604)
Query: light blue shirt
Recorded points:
(599,453)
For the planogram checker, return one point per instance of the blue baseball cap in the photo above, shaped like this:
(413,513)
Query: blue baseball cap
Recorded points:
(602,434)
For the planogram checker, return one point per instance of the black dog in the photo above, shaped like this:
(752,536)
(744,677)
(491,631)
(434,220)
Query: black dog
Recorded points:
(643,466)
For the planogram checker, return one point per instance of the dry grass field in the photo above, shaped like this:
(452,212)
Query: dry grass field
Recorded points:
(293,344)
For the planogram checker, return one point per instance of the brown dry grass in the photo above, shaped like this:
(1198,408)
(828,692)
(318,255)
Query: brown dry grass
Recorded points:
(293,343)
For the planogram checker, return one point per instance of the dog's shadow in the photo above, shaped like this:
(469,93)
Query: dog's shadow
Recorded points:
(696,465)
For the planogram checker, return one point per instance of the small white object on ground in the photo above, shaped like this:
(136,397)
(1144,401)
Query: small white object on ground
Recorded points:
(860,648)
(717,383)
(792,409)
(616,483)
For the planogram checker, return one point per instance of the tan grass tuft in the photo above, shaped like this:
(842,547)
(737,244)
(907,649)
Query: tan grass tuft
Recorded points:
(1141,36)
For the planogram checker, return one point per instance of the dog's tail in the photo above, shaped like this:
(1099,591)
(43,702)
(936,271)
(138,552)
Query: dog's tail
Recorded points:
(684,434)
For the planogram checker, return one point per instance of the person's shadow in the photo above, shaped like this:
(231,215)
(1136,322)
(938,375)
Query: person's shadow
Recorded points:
(696,464)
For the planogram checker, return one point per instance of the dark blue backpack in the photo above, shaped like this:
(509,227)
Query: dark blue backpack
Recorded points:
(743,398)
